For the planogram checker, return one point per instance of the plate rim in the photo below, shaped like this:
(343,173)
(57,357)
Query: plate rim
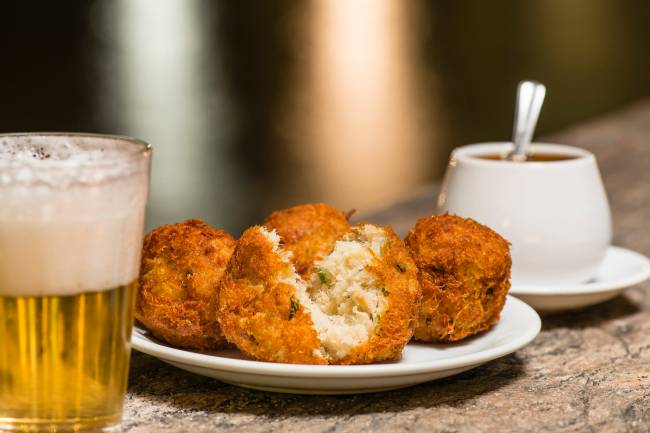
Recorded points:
(262,368)
(592,288)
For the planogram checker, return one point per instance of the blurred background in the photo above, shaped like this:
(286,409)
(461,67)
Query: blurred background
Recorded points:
(253,106)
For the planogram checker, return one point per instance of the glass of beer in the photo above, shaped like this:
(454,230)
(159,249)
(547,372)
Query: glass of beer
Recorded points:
(71,225)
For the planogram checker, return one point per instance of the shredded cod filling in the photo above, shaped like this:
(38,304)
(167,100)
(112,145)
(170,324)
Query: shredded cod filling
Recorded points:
(344,299)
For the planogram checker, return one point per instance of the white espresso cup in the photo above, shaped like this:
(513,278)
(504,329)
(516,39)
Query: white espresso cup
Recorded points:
(554,213)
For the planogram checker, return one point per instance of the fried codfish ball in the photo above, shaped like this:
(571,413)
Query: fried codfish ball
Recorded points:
(464,271)
(180,275)
(358,306)
(308,231)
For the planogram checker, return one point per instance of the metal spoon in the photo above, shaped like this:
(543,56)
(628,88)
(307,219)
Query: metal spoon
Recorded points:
(530,97)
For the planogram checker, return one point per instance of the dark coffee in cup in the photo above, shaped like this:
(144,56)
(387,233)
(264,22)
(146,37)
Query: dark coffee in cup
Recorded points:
(533,157)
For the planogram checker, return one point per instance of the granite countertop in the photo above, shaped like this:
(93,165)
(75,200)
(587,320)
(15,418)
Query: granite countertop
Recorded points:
(588,370)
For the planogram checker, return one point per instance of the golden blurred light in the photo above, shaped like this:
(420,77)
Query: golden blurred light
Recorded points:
(370,142)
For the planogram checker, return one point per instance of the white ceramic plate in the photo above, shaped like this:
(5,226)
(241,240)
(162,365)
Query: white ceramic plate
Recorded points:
(620,269)
(518,326)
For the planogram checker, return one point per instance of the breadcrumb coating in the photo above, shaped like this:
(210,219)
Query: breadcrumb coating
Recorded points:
(464,272)
(259,310)
(180,277)
(308,231)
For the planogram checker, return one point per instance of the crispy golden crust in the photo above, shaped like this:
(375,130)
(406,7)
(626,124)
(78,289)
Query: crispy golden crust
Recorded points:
(181,271)
(396,269)
(309,231)
(464,271)
(260,314)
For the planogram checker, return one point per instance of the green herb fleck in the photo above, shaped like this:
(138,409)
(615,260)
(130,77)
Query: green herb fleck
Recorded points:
(293,308)
(400,268)
(323,276)
(385,291)
(185,281)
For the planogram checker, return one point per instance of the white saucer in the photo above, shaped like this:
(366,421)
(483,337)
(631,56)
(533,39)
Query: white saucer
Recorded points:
(420,362)
(621,268)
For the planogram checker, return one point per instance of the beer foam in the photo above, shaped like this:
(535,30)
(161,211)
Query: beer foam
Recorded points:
(72,214)
(82,148)
(30,158)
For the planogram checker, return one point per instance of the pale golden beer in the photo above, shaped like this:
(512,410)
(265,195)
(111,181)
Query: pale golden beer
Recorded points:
(64,359)
(71,228)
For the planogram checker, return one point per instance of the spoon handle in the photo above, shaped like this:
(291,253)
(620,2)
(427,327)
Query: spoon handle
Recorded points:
(530,97)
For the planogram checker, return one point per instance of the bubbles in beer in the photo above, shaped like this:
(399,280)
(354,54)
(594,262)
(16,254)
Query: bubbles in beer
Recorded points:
(61,160)
(32,149)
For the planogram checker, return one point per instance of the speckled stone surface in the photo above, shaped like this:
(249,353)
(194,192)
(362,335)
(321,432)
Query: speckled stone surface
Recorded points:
(588,371)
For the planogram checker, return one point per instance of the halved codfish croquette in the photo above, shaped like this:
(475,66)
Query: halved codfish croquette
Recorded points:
(180,275)
(464,272)
(358,306)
